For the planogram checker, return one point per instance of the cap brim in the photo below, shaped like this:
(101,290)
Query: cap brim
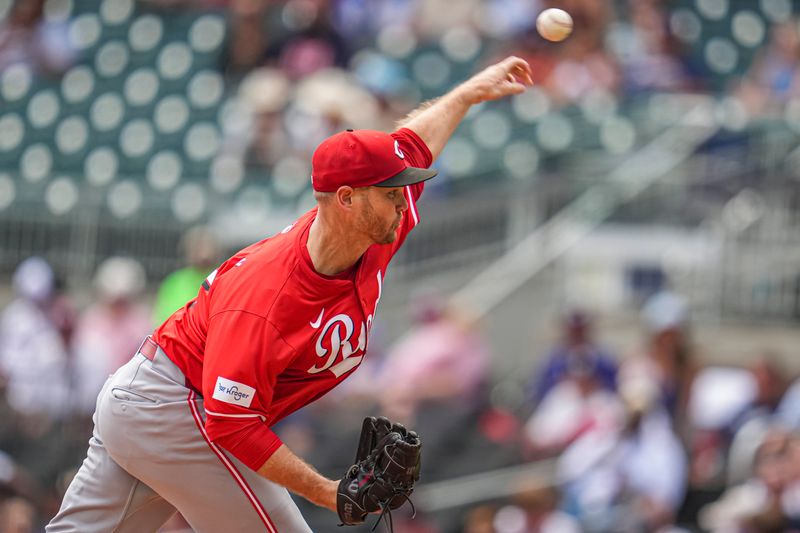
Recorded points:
(409,176)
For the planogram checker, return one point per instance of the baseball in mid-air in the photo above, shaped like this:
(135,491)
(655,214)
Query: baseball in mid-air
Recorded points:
(554,24)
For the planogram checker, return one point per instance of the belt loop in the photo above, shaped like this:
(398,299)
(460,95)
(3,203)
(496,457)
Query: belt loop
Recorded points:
(141,346)
(149,348)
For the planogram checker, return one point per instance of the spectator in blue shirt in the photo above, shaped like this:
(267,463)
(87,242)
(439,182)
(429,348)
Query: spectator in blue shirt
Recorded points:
(576,355)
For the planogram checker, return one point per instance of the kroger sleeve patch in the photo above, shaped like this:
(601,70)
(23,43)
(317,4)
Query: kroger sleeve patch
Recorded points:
(229,391)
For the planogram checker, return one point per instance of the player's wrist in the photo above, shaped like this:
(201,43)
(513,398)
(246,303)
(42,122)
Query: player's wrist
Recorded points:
(466,95)
(332,489)
(328,493)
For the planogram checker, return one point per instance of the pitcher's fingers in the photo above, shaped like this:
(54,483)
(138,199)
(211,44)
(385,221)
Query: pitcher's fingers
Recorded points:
(512,62)
(524,74)
(519,67)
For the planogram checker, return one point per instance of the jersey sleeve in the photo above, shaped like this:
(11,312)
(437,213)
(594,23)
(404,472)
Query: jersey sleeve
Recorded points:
(417,154)
(243,356)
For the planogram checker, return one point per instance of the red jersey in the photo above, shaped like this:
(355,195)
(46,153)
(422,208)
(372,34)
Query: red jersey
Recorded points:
(267,334)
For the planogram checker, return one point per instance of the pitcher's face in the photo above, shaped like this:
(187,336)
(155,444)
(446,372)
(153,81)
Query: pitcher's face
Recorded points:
(381,210)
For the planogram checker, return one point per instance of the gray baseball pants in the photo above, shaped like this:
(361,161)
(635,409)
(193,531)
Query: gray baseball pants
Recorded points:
(149,456)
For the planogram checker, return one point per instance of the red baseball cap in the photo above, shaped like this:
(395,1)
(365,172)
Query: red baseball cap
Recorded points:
(360,159)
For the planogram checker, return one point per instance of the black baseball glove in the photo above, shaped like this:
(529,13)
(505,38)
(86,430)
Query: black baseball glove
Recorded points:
(383,476)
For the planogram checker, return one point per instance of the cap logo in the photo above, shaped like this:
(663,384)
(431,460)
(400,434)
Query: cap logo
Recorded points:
(398,152)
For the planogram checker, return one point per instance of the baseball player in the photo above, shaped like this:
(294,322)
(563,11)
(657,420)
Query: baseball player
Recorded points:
(185,424)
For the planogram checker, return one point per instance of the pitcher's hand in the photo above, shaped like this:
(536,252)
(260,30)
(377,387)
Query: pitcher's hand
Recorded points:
(510,76)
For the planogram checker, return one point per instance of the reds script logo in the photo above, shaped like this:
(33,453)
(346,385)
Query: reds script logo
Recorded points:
(336,338)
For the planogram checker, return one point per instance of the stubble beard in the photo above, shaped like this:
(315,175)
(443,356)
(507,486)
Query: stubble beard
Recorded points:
(376,227)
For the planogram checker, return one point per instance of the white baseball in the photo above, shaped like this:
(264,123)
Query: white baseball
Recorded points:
(554,24)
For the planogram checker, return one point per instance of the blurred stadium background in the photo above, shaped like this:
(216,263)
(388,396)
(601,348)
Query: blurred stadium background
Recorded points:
(595,327)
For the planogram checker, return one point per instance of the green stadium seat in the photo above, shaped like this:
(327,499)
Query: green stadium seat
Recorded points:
(226,173)
(748,29)
(432,71)
(290,177)
(107,112)
(124,198)
(8,190)
(721,55)
(16,86)
(85,31)
(521,160)
(112,59)
(459,158)
(164,170)
(141,88)
(206,89)
(43,110)
(61,195)
(77,88)
(137,141)
(36,163)
(171,114)
(490,129)
(618,135)
(207,33)
(145,33)
(12,137)
(554,132)
(189,202)
(776,11)
(101,166)
(175,61)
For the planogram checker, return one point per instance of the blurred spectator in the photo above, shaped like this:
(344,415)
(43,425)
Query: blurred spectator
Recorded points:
(313,44)
(580,71)
(281,122)
(479,520)
(573,391)
(764,503)
(771,386)
(442,360)
(201,253)
(590,18)
(507,19)
(631,477)
(62,311)
(248,37)
(328,101)
(772,78)
(434,380)
(722,402)
(17,515)
(33,356)
(645,50)
(576,355)
(111,329)
(571,409)
(27,38)
(359,22)
(788,412)
(261,138)
(15,483)
(304,43)
(429,23)
(790,499)
(584,65)
(667,357)
(532,512)
(542,514)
